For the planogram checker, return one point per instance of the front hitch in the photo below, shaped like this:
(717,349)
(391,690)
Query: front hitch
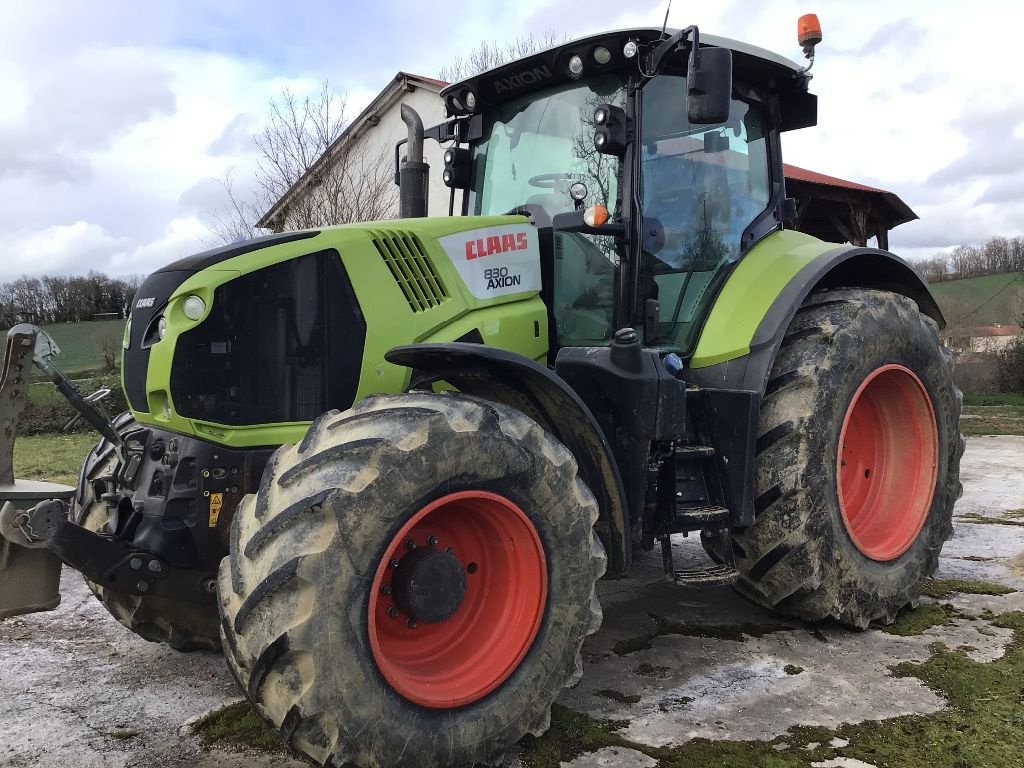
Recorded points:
(103,560)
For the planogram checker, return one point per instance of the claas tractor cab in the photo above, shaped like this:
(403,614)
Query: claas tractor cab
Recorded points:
(382,465)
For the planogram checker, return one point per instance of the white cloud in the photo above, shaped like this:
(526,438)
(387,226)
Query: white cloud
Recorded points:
(76,248)
(117,116)
(58,249)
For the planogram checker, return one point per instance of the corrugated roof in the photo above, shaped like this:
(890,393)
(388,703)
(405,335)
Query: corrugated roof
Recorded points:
(813,177)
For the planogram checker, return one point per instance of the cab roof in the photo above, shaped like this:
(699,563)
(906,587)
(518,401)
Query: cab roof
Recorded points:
(752,65)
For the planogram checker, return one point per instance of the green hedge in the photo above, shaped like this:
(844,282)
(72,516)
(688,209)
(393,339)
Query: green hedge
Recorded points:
(48,411)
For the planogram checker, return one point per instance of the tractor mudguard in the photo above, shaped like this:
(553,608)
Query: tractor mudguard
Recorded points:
(741,377)
(510,378)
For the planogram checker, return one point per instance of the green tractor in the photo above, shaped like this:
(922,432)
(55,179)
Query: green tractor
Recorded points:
(383,465)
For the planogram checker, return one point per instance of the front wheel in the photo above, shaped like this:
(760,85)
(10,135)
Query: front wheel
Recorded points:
(412,584)
(858,459)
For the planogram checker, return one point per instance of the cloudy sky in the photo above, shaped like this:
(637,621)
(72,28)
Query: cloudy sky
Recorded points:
(118,115)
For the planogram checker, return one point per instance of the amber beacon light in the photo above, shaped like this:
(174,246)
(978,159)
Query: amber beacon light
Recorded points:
(808,32)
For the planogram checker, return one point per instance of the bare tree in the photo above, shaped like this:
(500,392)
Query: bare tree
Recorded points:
(490,54)
(339,180)
(236,219)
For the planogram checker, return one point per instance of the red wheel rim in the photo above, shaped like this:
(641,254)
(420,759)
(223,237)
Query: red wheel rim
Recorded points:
(888,462)
(458,660)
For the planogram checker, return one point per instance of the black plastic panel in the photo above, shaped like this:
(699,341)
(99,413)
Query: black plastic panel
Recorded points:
(281,344)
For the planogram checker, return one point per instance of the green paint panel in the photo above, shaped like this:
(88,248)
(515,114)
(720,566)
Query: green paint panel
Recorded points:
(748,294)
(435,306)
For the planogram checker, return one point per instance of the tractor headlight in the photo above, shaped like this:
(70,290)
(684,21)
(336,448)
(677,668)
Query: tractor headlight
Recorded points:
(193,307)
(575,66)
(161,327)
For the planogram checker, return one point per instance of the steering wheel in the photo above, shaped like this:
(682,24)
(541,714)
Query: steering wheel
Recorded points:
(549,180)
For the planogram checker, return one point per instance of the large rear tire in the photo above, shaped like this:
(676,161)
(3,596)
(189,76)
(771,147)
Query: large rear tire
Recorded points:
(858,461)
(412,583)
(182,625)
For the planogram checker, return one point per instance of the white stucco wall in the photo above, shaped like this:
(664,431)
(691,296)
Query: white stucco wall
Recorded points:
(391,129)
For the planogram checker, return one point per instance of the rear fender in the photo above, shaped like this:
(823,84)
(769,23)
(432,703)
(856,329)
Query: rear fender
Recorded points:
(813,266)
(509,378)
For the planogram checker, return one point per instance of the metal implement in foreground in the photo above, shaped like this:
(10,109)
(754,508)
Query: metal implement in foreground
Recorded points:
(402,453)
(30,577)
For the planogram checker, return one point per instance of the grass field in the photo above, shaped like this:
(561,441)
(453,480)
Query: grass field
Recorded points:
(56,458)
(81,343)
(956,295)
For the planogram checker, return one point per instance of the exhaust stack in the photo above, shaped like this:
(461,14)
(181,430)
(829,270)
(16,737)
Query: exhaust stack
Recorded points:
(413,174)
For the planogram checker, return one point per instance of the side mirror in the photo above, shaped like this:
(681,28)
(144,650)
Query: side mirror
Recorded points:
(709,85)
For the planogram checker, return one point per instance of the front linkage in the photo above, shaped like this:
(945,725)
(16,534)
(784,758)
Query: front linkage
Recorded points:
(153,541)
(101,558)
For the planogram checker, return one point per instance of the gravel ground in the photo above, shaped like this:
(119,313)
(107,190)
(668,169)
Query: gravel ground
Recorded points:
(78,690)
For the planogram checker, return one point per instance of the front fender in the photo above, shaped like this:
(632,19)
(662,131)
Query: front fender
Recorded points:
(510,378)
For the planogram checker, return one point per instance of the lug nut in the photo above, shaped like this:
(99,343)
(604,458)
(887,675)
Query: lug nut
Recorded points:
(393,612)
(411,623)
(410,544)
(210,585)
(142,586)
(386,589)
(393,563)
(449,551)
(432,541)
(135,563)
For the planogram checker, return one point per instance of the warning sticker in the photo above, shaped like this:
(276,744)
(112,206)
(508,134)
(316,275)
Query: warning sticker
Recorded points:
(216,502)
(496,261)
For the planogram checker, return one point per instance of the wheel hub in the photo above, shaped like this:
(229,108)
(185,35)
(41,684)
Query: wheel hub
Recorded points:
(429,585)
(457,599)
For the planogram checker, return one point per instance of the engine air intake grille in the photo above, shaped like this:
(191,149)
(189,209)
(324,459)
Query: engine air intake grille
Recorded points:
(412,269)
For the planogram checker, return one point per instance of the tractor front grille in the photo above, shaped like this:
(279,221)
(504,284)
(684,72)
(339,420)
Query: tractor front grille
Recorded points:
(410,265)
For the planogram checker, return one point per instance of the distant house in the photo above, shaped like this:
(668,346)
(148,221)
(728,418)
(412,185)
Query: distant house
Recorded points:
(984,339)
(828,207)
(376,130)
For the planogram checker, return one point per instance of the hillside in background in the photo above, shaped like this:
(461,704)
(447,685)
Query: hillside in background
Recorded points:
(1000,298)
(81,344)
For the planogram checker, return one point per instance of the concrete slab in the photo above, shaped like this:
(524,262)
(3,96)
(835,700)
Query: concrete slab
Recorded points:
(612,757)
(73,682)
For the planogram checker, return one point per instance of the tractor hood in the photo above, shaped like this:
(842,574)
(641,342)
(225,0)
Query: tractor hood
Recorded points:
(245,345)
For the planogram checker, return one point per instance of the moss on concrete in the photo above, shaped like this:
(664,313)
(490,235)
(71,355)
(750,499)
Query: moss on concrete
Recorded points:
(618,696)
(981,727)
(736,632)
(916,621)
(792,669)
(943,588)
(975,518)
(238,724)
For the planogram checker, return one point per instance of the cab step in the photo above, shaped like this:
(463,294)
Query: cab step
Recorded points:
(690,517)
(694,451)
(708,576)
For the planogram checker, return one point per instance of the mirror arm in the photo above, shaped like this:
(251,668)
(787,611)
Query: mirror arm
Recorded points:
(658,55)
(572,221)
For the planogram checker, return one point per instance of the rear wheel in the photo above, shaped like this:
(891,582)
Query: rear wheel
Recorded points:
(412,583)
(182,625)
(858,457)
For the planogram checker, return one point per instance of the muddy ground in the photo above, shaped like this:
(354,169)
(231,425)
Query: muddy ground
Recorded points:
(78,690)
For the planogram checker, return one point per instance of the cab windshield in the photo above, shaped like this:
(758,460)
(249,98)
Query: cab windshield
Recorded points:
(535,147)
